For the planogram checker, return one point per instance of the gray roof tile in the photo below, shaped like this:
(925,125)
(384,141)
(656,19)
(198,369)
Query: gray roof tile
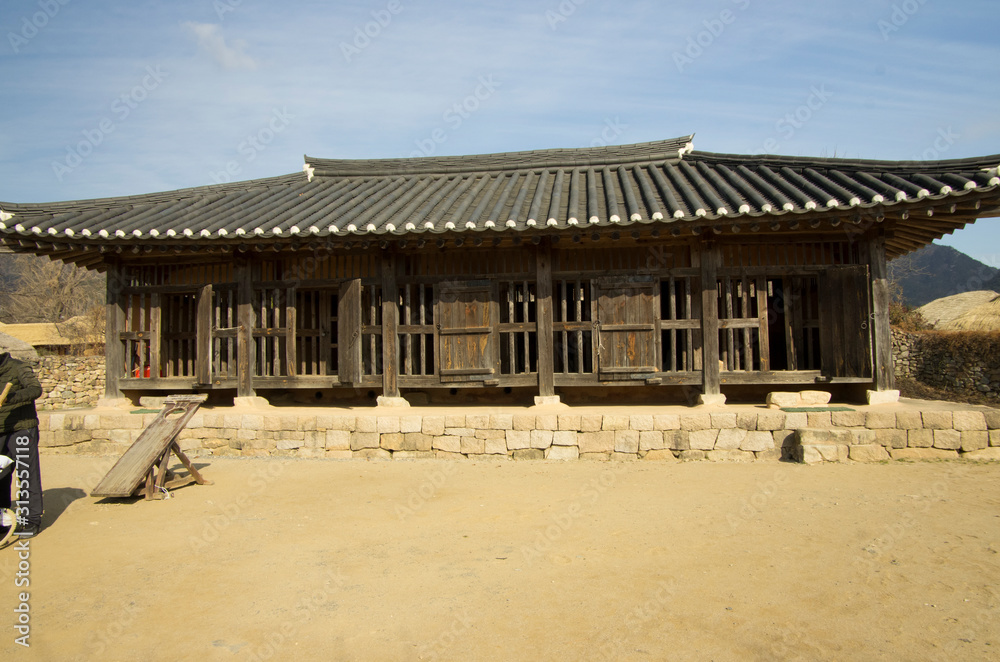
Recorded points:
(661,182)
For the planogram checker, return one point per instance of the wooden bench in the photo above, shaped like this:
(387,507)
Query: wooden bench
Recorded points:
(149,456)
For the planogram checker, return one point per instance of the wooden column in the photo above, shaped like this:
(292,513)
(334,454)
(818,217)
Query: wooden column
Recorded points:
(113,350)
(204,336)
(884,372)
(711,257)
(244,333)
(543,289)
(291,315)
(390,324)
(349,333)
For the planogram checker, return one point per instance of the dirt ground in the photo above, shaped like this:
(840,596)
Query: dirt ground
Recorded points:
(412,560)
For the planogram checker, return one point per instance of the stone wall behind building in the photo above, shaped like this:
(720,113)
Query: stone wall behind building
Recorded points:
(967,365)
(69,381)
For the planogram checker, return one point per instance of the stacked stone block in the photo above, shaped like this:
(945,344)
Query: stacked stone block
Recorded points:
(740,436)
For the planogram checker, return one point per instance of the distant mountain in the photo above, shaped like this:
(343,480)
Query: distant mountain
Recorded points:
(939,271)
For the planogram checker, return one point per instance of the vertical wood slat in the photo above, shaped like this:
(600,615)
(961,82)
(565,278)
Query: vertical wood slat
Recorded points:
(142,342)
(203,354)
(789,294)
(155,333)
(578,314)
(217,323)
(349,337)
(407,308)
(845,325)
(672,315)
(690,361)
(291,319)
(711,378)
(543,313)
(745,312)
(764,337)
(320,320)
(113,318)
(731,356)
(511,337)
(244,342)
(390,323)
(884,374)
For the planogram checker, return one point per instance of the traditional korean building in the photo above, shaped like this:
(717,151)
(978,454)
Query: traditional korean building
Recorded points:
(648,272)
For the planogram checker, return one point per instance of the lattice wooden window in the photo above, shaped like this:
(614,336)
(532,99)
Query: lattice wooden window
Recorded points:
(518,328)
(371,330)
(179,337)
(274,331)
(139,335)
(416,329)
(573,326)
(316,331)
(225,325)
(743,330)
(680,324)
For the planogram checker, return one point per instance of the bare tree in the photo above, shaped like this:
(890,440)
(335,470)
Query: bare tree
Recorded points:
(46,290)
(901,315)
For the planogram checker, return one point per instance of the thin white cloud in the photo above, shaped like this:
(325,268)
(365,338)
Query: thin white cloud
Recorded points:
(211,41)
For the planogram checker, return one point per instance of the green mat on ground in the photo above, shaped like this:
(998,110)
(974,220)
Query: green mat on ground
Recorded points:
(795,410)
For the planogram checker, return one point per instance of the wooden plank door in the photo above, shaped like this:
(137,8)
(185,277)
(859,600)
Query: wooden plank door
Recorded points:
(845,322)
(466,331)
(627,312)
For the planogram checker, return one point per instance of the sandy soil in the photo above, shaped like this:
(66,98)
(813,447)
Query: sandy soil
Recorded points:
(325,560)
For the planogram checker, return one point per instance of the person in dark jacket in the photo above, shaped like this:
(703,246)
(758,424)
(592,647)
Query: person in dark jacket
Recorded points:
(19,442)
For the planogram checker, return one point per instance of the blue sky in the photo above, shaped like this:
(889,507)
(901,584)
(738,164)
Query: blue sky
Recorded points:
(115,98)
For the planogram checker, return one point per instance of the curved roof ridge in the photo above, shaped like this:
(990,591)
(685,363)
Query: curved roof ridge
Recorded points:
(660,150)
(159,196)
(989,161)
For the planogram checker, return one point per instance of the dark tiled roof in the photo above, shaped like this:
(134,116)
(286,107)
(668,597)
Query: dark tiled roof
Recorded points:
(659,182)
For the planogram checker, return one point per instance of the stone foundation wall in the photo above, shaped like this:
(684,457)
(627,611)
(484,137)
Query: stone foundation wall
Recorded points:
(69,381)
(963,372)
(745,436)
